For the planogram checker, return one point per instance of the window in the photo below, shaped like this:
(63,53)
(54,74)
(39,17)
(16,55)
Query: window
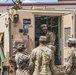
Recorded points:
(67,34)
(70,8)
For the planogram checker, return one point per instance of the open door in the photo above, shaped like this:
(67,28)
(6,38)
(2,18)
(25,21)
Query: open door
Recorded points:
(68,30)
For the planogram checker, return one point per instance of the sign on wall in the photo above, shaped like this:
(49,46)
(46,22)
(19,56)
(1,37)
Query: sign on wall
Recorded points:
(26,21)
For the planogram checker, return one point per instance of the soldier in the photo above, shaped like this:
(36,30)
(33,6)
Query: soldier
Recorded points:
(72,65)
(41,60)
(22,61)
(50,37)
(17,5)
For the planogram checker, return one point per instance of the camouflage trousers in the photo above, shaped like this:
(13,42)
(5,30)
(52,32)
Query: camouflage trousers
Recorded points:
(22,72)
(72,72)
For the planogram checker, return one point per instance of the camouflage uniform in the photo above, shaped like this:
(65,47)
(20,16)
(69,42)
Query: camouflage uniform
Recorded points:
(21,60)
(50,38)
(16,7)
(41,61)
(72,65)
(50,35)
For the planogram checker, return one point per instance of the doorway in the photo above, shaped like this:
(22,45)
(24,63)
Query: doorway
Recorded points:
(54,25)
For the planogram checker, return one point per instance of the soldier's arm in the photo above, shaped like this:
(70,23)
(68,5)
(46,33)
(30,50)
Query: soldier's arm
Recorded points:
(68,68)
(32,62)
(69,63)
(52,38)
(52,65)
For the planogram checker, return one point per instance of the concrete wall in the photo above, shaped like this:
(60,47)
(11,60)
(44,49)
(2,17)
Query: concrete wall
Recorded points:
(61,7)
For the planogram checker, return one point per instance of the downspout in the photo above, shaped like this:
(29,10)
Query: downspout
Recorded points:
(59,54)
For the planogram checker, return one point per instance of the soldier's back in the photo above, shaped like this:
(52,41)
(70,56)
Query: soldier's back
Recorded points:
(43,56)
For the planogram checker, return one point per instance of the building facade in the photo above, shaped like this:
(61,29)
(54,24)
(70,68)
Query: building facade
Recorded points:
(60,5)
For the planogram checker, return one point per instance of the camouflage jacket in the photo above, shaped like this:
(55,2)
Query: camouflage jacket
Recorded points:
(41,61)
(72,65)
(50,38)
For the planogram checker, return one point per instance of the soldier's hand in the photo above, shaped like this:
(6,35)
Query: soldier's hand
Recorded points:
(53,48)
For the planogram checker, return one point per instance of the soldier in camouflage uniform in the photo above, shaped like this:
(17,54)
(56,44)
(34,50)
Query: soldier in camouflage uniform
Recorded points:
(50,35)
(17,5)
(50,42)
(41,60)
(22,61)
(72,66)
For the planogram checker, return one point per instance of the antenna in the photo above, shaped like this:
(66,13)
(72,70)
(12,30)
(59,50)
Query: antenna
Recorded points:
(14,2)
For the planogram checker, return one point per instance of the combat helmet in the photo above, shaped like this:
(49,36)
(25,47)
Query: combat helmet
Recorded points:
(71,40)
(42,38)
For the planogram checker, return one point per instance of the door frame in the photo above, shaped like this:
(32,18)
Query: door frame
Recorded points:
(56,13)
